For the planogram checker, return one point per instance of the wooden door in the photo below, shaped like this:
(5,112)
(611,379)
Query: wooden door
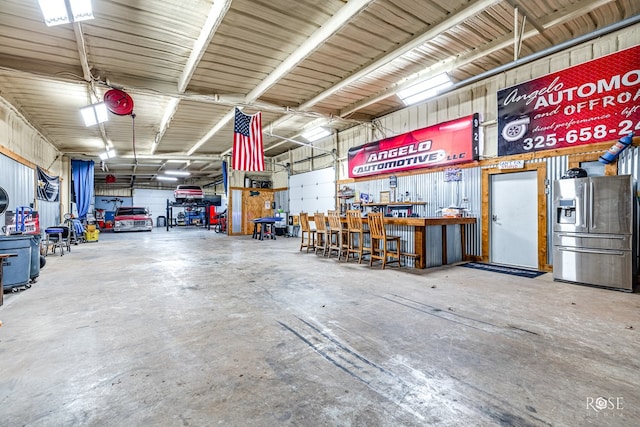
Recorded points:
(256,203)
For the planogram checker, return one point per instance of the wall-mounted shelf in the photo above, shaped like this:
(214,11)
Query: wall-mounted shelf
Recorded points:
(396,204)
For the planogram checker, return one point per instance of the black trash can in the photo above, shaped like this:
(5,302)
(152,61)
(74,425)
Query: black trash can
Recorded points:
(161,221)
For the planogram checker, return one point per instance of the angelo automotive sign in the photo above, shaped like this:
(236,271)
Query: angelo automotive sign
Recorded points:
(596,101)
(447,143)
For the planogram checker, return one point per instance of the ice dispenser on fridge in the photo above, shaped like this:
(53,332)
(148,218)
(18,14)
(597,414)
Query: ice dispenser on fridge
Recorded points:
(566,211)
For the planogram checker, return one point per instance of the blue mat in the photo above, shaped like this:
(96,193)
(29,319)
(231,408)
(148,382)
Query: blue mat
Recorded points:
(515,271)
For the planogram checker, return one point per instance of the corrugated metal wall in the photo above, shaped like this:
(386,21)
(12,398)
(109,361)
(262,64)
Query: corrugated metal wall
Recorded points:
(21,138)
(18,181)
(49,213)
(112,192)
(236,209)
(629,164)
(282,200)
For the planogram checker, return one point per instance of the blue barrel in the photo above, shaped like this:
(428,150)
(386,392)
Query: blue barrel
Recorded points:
(16,270)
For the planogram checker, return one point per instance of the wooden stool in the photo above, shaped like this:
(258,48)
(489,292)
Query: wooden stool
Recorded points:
(322,235)
(338,235)
(380,241)
(355,228)
(308,235)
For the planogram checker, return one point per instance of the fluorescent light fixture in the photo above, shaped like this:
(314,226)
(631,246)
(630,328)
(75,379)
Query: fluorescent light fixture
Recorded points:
(94,114)
(81,10)
(166,178)
(315,134)
(58,12)
(177,173)
(109,154)
(425,89)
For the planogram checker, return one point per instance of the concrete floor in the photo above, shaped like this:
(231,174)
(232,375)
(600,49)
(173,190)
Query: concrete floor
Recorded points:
(194,328)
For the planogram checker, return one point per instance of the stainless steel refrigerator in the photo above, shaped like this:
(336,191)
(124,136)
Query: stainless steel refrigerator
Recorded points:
(593,231)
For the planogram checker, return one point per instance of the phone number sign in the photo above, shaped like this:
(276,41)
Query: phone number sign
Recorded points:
(593,102)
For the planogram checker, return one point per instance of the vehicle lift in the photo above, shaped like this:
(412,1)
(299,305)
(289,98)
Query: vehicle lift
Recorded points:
(195,204)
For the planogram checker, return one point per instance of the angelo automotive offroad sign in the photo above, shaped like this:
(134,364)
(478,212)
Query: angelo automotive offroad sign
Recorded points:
(593,102)
(447,143)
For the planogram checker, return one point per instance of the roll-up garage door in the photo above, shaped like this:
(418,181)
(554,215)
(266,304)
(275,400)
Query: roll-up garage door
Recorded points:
(154,200)
(312,191)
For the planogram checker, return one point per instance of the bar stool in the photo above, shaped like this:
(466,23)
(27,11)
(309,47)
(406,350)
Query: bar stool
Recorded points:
(322,235)
(308,235)
(337,235)
(380,241)
(57,237)
(356,232)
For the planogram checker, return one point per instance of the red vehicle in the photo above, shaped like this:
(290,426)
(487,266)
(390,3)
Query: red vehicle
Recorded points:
(188,193)
(132,218)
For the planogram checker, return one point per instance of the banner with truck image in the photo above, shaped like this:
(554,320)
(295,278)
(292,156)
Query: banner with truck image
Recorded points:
(597,101)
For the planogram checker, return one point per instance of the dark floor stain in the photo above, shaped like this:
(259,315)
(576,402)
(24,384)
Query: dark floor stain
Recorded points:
(507,419)
(522,329)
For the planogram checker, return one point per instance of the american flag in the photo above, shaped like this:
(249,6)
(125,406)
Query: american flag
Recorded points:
(248,151)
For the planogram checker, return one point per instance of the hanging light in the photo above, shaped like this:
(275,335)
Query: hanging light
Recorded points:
(58,12)
(425,89)
(315,134)
(166,178)
(108,155)
(94,114)
(177,173)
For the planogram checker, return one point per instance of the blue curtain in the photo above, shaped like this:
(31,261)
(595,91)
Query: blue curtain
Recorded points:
(224,175)
(83,185)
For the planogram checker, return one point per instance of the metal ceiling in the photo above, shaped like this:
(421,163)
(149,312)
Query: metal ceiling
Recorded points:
(303,63)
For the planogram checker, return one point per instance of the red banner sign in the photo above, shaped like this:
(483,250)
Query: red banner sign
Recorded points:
(447,143)
(597,101)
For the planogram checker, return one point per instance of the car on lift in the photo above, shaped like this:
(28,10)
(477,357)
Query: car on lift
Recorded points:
(188,193)
(132,218)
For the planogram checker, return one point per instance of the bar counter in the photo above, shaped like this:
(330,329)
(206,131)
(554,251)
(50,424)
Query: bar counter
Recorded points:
(420,229)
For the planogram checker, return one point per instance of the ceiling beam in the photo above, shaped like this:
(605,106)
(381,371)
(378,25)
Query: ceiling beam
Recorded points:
(337,21)
(175,156)
(41,70)
(89,79)
(522,9)
(560,17)
(214,19)
(451,21)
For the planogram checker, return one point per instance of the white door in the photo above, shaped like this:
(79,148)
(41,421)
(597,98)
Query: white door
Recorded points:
(513,237)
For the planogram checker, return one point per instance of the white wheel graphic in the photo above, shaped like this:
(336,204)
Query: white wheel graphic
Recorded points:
(515,130)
